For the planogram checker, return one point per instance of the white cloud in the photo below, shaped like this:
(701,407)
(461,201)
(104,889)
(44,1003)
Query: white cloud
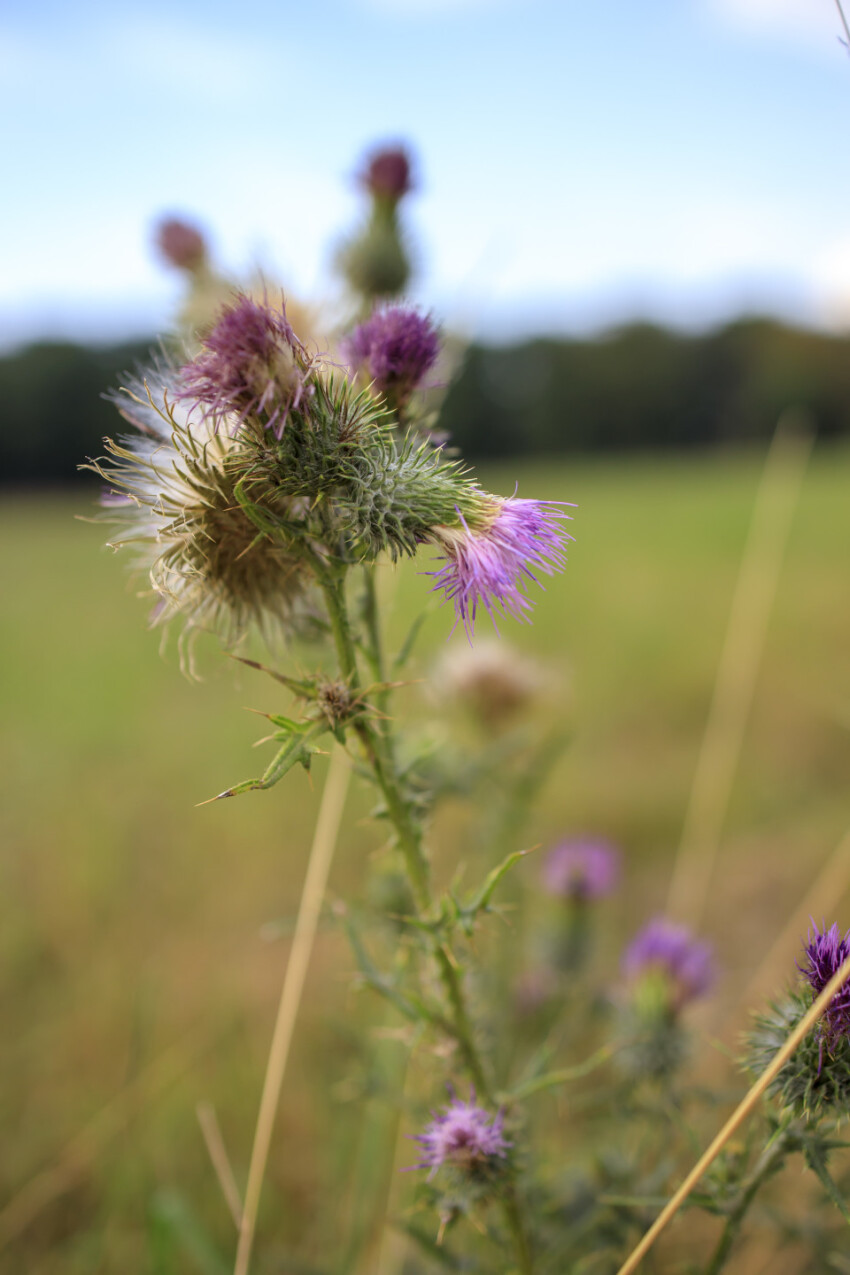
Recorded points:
(815,22)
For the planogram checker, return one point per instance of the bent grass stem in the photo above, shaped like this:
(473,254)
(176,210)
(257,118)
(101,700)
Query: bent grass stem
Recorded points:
(736,1119)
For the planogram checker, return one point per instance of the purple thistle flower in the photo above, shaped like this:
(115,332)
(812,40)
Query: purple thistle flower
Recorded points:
(387,173)
(394,349)
(489,566)
(181,244)
(582,869)
(671,951)
(465,1136)
(825,953)
(251,363)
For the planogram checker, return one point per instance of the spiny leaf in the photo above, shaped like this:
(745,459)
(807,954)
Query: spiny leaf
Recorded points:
(298,686)
(298,750)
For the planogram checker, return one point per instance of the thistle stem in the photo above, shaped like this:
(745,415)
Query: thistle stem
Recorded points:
(380,753)
(769,1160)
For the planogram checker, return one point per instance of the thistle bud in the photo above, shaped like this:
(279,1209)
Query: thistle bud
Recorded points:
(387,173)
(181,244)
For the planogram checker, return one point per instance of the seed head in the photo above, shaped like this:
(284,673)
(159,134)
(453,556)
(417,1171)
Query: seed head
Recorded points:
(489,564)
(172,494)
(491,680)
(251,364)
(181,244)
(582,869)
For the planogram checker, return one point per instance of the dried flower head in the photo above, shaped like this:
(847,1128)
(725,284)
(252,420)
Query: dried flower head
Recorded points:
(387,173)
(581,869)
(393,349)
(181,244)
(250,364)
(825,952)
(667,954)
(492,680)
(488,564)
(465,1137)
(172,494)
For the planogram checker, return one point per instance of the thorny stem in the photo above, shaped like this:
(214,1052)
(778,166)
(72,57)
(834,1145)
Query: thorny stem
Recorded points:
(379,750)
(767,1163)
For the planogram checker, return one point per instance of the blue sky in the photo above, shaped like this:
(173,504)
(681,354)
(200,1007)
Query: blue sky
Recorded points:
(579,163)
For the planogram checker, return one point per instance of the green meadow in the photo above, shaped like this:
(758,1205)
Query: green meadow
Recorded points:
(143,937)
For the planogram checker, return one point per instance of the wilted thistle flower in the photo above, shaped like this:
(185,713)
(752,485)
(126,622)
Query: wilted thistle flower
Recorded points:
(387,173)
(465,1137)
(488,564)
(582,869)
(666,962)
(825,953)
(493,681)
(251,364)
(393,349)
(172,493)
(181,244)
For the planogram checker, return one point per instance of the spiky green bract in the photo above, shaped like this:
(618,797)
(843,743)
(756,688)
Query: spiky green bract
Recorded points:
(368,492)
(219,552)
(815,1081)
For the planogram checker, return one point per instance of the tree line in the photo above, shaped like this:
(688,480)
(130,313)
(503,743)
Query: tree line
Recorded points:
(641,386)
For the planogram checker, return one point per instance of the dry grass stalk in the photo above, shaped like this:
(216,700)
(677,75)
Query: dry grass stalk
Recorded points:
(318,867)
(739,663)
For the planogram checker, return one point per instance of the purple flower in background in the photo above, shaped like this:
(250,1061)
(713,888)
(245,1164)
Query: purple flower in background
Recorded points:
(672,952)
(825,953)
(582,869)
(394,349)
(490,565)
(251,363)
(465,1136)
(181,244)
(387,173)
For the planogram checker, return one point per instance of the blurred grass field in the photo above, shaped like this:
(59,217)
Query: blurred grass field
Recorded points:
(135,927)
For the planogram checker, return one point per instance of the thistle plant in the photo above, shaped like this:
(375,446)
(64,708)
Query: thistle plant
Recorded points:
(258,484)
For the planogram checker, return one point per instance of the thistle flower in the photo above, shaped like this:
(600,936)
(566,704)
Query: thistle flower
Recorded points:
(250,364)
(582,869)
(465,1137)
(825,953)
(488,564)
(393,349)
(181,244)
(387,173)
(669,959)
(815,1080)
(172,493)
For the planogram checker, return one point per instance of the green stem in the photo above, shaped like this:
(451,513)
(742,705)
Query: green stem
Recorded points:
(380,752)
(516,1225)
(767,1163)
